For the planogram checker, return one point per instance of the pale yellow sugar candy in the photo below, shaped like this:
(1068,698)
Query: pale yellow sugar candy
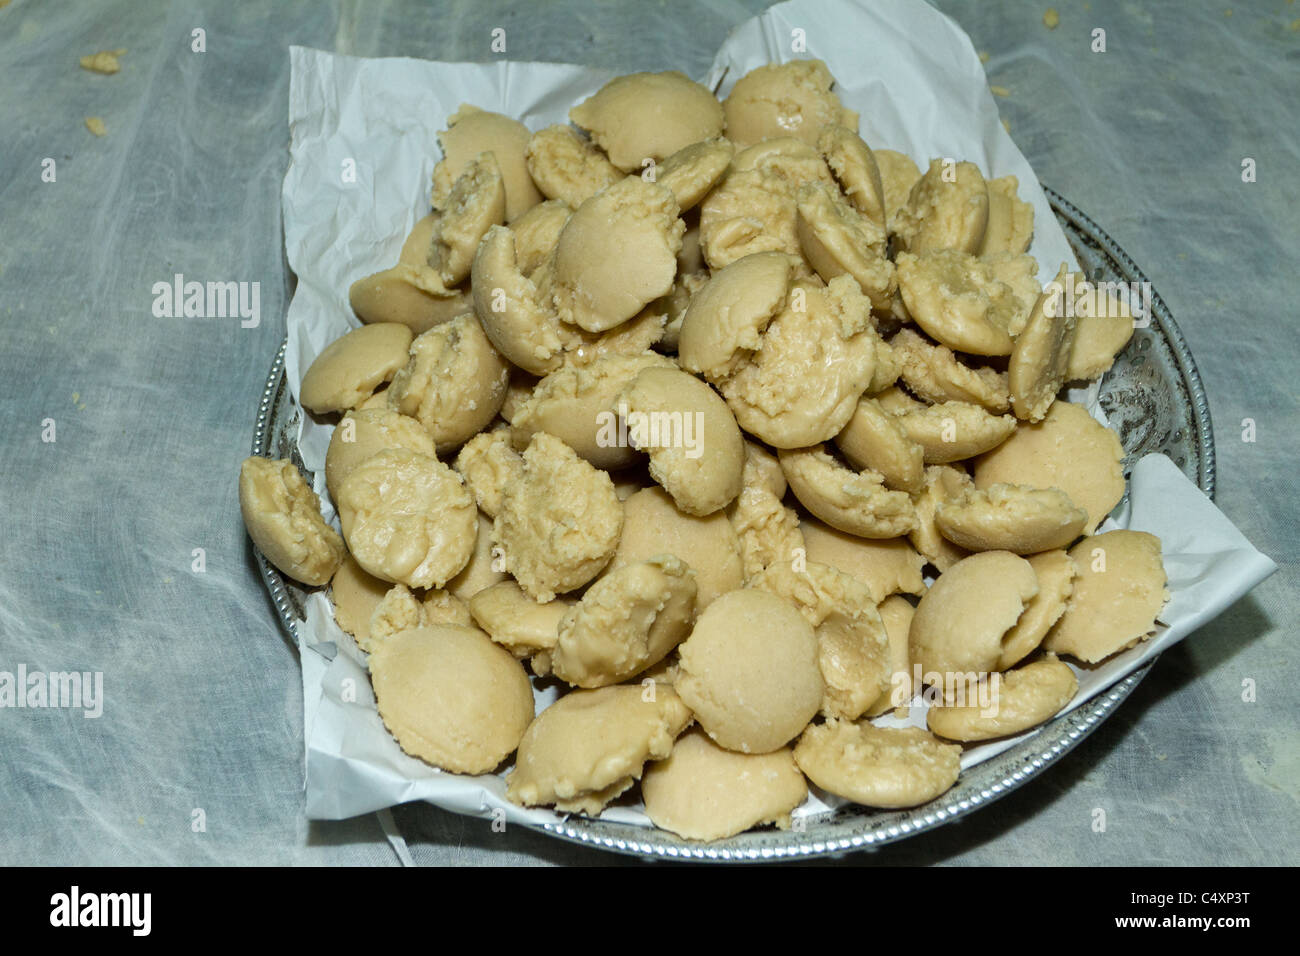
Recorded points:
(837,239)
(941,482)
(1069,450)
(355,595)
(948,208)
(483,568)
(1103,326)
(516,318)
(453,382)
(364,433)
(1011,220)
(616,254)
(750,672)
(451,697)
(875,440)
(1117,595)
(955,431)
(855,502)
(476,203)
(890,768)
(566,166)
(627,621)
(1010,518)
(559,521)
(935,374)
(410,293)
(654,525)
(536,232)
(642,116)
(886,566)
(854,166)
(591,745)
(693,170)
(350,368)
(787,99)
(726,318)
(896,613)
(704,792)
(962,619)
(408,518)
(1056,572)
(514,620)
(487,462)
(471,132)
(1019,700)
(1040,361)
(958,300)
(767,530)
(282,515)
(898,174)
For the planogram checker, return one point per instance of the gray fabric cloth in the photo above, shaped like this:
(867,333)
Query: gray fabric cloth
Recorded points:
(202,707)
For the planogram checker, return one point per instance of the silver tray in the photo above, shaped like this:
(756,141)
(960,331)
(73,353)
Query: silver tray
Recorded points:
(1153,397)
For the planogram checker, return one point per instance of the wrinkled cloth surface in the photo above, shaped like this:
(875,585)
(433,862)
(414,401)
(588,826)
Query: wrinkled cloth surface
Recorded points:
(197,756)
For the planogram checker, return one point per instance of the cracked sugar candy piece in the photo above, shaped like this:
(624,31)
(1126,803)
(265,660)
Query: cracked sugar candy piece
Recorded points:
(705,792)
(854,167)
(896,614)
(856,502)
(1103,326)
(786,99)
(514,620)
(725,320)
(476,203)
(814,361)
(875,440)
(750,672)
(566,166)
(559,522)
(955,431)
(1040,361)
(1056,572)
(616,254)
(898,174)
(1069,450)
(408,518)
(768,531)
(454,382)
(934,374)
(886,566)
(948,208)
(836,239)
(693,170)
(941,482)
(694,444)
(482,570)
(363,433)
(282,515)
(963,618)
(1010,518)
(642,116)
(959,301)
(1010,225)
(654,525)
(578,405)
(472,131)
(536,233)
(628,620)
(1119,592)
(487,462)
(1019,700)
(514,315)
(451,697)
(355,595)
(350,368)
(410,293)
(886,767)
(591,745)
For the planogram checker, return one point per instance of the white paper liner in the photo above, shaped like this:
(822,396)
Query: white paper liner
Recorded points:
(917,82)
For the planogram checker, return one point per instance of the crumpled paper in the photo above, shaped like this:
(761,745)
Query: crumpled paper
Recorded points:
(915,79)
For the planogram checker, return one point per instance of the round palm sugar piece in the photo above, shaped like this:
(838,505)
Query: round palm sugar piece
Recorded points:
(815,360)
(559,522)
(896,614)
(856,502)
(786,99)
(408,518)
(590,745)
(726,319)
(1041,358)
(749,671)
(454,382)
(1019,700)
(694,444)
(933,373)
(514,620)
(640,116)
(536,233)
(704,792)
(1069,450)
(854,167)
(476,203)
(616,254)
(355,595)
(956,299)
(516,318)
(487,462)
(941,482)
(874,439)
(837,239)
(1056,572)
(654,525)
(1010,518)
(410,294)
(1103,327)
(898,174)
(283,518)
(1010,225)
(948,208)
(886,767)
(350,368)
(566,166)
(627,621)
(962,619)
(693,170)
(955,431)
(578,405)
(482,570)
(886,566)
(364,433)
(451,697)
(1119,591)
(472,131)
